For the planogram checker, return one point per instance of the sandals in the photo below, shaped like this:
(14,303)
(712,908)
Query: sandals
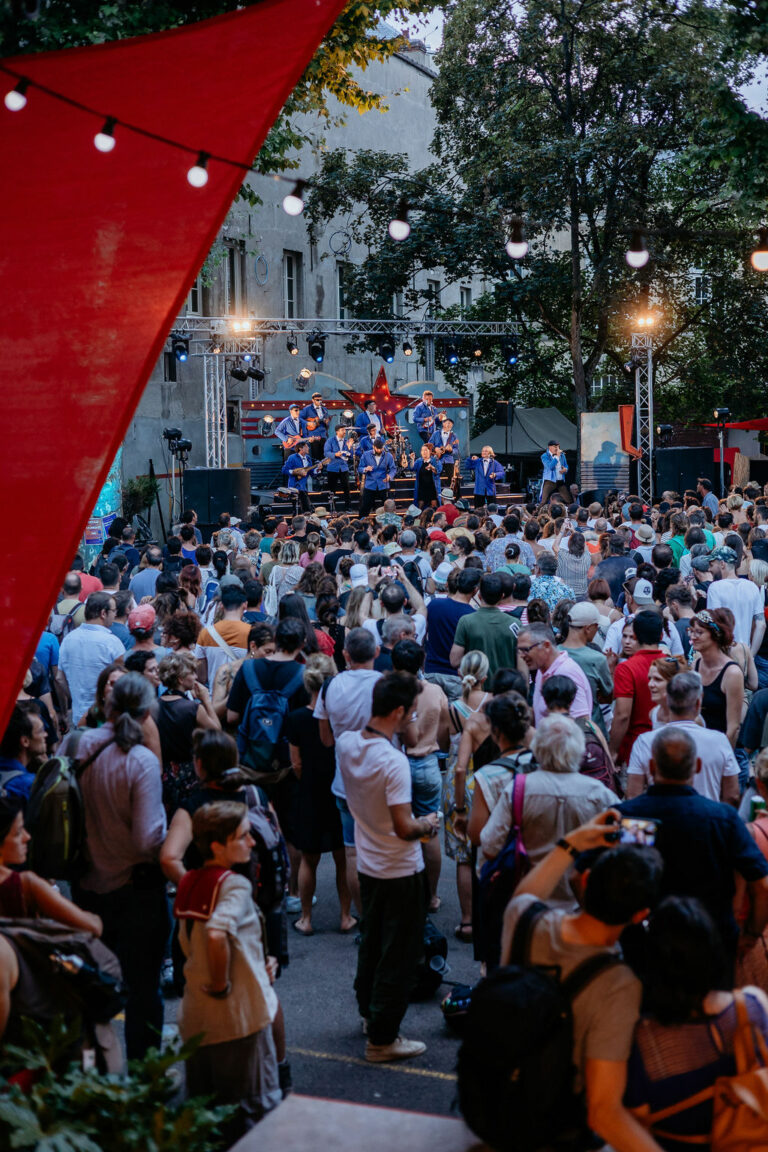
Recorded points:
(463,932)
(302,931)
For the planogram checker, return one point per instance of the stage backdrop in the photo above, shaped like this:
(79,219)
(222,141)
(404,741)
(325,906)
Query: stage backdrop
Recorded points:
(603,464)
(98,252)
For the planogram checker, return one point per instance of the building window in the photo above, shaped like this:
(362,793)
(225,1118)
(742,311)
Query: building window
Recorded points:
(465,299)
(603,379)
(701,288)
(341,295)
(194,299)
(169,367)
(398,305)
(234,277)
(292,287)
(433,297)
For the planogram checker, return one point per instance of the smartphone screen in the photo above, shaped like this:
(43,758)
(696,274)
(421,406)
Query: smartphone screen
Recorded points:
(633,830)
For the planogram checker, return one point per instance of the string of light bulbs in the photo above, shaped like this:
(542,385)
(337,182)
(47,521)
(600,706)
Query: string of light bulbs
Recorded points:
(399,227)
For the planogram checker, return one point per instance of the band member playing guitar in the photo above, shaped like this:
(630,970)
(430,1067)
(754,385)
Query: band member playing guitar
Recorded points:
(426,487)
(292,429)
(365,443)
(487,472)
(318,421)
(368,417)
(553,478)
(378,470)
(340,451)
(446,445)
(426,417)
(297,468)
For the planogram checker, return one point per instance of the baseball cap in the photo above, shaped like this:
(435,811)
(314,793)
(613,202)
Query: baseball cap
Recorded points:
(358,575)
(641,591)
(390,549)
(442,572)
(700,563)
(725,554)
(230,581)
(142,617)
(584,613)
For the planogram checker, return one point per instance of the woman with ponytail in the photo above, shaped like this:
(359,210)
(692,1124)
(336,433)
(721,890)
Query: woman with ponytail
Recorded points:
(473,671)
(124,832)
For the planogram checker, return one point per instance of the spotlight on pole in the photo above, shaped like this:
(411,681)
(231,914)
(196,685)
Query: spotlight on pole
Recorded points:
(292,346)
(637,254)
(452,352)
(386,349)
(238,373)
(255,373)
(477,350)
(509,350)
(759,257)
(663,431)
(316,347)
(180,347)
(407,348)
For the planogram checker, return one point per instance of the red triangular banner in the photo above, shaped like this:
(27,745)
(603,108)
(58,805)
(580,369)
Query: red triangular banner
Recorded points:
(98,252)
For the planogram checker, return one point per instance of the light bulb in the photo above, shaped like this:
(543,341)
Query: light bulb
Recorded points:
(198,173)
(293,203)
(16,99)
(637,255)
(105,140)
(517,245)
(759,257)
(398,227)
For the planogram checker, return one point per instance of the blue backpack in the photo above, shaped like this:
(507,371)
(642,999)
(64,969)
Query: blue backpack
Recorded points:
(260,740)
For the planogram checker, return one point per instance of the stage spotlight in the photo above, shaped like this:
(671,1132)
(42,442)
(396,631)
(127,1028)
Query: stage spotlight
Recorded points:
(247,356)
(663,430)
(180,348)
(509,350)
(759,257)
(304,374)
(452,352)
(386,349)
(477,350)
(722,414)
(255,374)
(238,373)
(268,421)
(316,347)
(407,348)
(183,445)
(171,434)
(292,346)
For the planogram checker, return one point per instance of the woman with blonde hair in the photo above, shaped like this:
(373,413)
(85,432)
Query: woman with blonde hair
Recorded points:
(317,827)
(358,608)
(473,671)
(735,505)
(287,572)
(313,553)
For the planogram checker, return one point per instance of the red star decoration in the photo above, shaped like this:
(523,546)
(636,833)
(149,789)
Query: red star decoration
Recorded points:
(387,405)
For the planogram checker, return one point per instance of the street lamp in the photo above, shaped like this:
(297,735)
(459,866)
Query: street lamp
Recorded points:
(722,416)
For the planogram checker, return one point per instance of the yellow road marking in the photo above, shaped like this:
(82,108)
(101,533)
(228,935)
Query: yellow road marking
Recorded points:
(394,1067)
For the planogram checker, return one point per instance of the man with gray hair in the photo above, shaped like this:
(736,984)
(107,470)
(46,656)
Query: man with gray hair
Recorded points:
(394,628)
(718,778)
(344,705)
(703,843)
(537,646)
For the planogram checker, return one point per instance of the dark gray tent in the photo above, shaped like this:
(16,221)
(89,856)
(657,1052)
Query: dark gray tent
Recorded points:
(528,433)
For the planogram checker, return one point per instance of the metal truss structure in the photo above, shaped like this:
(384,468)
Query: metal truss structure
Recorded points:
(642,355)
(217,338)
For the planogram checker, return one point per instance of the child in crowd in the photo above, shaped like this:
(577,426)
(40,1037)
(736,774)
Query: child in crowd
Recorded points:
(228,996)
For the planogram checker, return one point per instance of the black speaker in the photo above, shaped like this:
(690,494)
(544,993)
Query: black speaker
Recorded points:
(680,468)
(211,491)
(505,411)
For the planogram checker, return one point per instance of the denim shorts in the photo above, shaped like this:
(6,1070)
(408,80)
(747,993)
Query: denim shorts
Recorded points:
(426,783)
(347,823)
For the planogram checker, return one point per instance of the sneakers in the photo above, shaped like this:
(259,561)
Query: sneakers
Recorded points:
(293,904)
(399,1049)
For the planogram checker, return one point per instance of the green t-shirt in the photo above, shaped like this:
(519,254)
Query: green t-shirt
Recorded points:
(491,631)
(515,569)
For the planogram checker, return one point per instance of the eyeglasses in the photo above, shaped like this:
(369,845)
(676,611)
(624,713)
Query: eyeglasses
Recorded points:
(525,651)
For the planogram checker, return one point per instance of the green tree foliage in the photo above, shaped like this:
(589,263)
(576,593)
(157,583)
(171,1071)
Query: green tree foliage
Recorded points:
(351,45)
(586,119)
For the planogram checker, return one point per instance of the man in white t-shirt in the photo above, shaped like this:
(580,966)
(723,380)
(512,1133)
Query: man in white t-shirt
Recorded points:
(377,781)
(743,598)
(717,777)
(344,705)
(639,598)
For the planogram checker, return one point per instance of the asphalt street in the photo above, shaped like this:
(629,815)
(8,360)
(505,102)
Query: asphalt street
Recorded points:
(325,1040)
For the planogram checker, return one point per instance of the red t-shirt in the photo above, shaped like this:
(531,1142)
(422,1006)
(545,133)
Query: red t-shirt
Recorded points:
(451,513)
(630,680)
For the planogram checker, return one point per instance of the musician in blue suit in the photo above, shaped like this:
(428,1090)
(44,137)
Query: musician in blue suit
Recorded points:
(365,443)
(378,468)
(425,417)
(444,437)
(427,469)
(317,411)
(297,460)
(292,425)
(338,449)
(553,477)
(369,416)
(487,472)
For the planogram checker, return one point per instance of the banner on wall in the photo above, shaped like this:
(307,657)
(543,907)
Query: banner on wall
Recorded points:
(603,462)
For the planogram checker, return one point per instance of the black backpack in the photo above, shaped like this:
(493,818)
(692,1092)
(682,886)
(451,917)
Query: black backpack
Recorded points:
(268,868)
(515,1066)
(432,967)
(413,574)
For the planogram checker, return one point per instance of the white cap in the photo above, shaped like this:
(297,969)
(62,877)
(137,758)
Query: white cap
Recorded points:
(442,572)
(358,574)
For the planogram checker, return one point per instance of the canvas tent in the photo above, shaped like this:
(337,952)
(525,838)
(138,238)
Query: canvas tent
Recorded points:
(528,433)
